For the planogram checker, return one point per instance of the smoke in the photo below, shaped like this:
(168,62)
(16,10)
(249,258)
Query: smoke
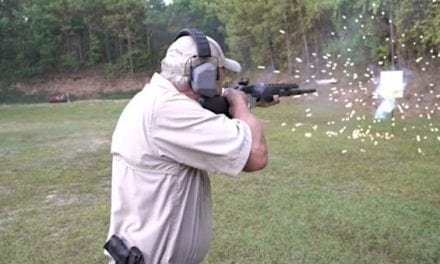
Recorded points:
(385,108)
(366,89)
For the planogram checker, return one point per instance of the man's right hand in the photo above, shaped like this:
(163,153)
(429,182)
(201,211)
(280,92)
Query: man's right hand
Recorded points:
(238,102)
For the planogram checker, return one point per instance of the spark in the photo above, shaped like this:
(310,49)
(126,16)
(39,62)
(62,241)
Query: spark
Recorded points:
(331,133)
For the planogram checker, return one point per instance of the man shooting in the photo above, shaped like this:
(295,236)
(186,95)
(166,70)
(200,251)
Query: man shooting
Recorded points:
(164,145)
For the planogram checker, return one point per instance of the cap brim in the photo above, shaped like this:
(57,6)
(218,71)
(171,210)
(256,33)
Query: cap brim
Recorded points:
(232,65)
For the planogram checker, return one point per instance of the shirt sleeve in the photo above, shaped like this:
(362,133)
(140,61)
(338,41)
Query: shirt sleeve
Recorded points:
(189,134)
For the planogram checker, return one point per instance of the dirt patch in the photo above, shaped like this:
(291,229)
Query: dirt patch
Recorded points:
(421,94)
(56,198)
(84,83)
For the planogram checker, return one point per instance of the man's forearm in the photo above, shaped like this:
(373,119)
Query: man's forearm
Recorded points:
(258,156)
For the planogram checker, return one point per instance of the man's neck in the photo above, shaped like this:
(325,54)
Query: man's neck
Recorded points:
(191,94)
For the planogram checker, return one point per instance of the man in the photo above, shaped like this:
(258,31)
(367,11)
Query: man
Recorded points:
(164,144)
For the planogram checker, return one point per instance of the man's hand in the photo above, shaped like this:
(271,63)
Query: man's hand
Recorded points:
(238,108)
(276,100)
(238,101)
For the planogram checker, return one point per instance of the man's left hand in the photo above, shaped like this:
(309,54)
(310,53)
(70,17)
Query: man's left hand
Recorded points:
(276,100)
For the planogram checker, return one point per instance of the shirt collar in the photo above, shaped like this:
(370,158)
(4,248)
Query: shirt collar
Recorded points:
(159,80)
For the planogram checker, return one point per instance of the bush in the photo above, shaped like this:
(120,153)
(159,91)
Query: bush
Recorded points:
(141,60)
(70,62)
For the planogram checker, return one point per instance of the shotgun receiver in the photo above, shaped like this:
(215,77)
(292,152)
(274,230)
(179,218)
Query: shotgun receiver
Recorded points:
(261,92)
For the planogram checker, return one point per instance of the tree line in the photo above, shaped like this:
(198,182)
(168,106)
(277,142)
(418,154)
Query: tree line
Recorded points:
(39,36)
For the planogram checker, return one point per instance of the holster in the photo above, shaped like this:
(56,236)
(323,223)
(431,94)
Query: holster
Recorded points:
(121,254)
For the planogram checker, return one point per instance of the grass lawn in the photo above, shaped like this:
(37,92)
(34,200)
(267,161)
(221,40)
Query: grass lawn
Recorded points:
(348,191)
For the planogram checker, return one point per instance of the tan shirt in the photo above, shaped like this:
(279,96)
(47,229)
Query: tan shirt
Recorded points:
(163,145)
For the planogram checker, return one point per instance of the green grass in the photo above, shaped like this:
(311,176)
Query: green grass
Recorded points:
(321,199)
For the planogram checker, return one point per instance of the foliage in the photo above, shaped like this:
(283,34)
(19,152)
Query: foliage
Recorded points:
(366,31)
(52,35)
(69,61)
(95,56)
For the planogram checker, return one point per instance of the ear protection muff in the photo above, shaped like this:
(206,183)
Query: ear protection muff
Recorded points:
(203,75)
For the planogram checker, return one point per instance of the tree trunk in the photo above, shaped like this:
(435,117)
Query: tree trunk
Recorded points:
(148,42)
(120,46)
(69,43)
(107,47)
(304,37)
(317,64)
(129,51)
(287,39)
(391,22)
(90,46)
(80,51)
(272,61)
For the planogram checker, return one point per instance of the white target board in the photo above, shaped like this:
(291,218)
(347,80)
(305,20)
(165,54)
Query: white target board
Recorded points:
(391,84)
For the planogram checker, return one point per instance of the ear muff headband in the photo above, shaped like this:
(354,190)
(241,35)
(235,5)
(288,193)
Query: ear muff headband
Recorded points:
(204,75)
(202,43)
